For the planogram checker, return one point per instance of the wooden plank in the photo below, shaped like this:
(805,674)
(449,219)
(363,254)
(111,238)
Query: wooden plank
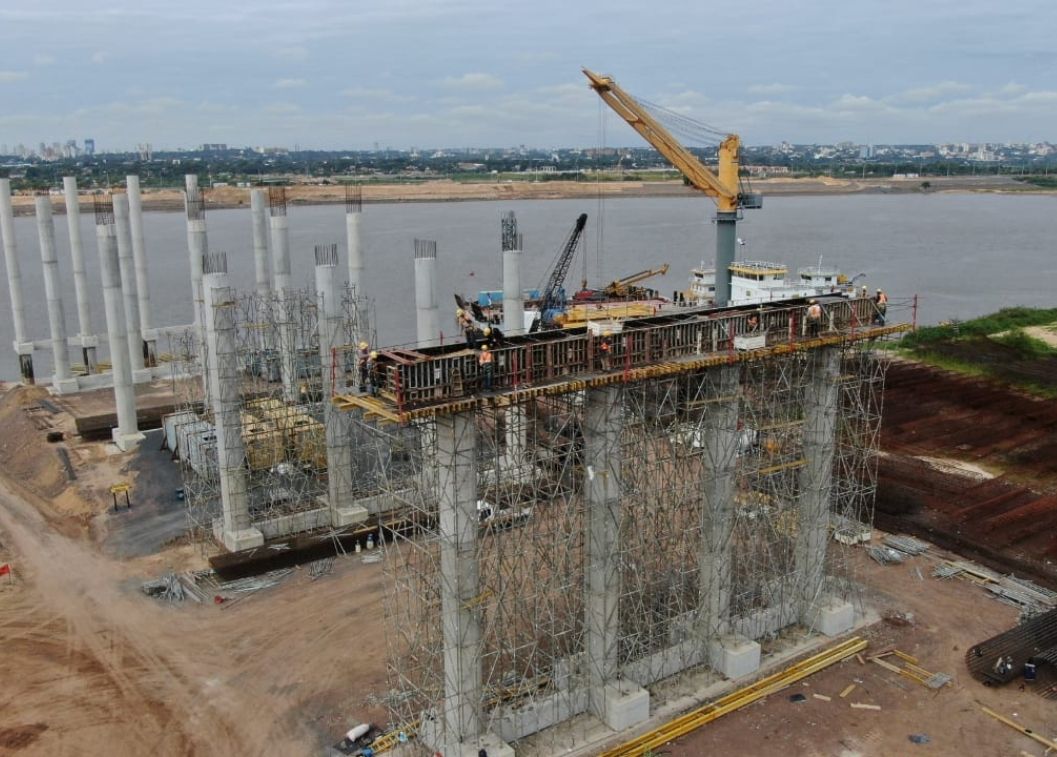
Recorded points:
(847,690)
(861,706)
(1018,727)
(823,697)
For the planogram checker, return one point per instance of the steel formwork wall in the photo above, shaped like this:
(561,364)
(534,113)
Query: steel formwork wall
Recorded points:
(284,441)
(690,568)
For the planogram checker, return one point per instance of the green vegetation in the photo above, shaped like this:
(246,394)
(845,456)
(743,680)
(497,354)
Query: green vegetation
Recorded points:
(1045,181)
(994,346)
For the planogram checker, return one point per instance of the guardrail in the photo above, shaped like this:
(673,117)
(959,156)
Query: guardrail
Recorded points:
(413,379)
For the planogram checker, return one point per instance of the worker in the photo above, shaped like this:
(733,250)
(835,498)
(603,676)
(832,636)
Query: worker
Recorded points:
(605,348)
(864,292)
(376,373)
(487,367)
(469,328)
(753,323)
(814,318)
(493,337)
(1030,670)
(363,355)
(881,307)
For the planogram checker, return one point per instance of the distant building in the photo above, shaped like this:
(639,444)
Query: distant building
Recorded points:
(89,146)
(213,147)
(865,152)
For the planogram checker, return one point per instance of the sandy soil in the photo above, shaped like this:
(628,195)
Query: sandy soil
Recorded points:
(436,190)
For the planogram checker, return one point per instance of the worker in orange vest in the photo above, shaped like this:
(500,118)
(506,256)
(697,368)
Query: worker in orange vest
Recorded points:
(484,360)
(605,347)
(814,318)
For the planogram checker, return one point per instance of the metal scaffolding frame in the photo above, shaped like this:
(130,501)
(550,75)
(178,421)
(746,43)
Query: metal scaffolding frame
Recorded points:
(620,530)
(283,441)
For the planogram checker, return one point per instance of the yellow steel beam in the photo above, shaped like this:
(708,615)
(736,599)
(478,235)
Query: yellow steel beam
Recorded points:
(738,699)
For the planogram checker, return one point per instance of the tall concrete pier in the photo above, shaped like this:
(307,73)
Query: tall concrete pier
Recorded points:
(23,347)
(513,301)
(426,311)
(127,264)
(233,529)
(337,425)
(261,262)
(85,335)
(280,228)
(139,256)
(353,211)
(126,435)
(53,294)
(197,242)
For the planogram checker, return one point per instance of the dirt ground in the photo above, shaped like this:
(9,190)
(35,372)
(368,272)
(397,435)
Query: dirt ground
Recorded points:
(89,665)
(435,190)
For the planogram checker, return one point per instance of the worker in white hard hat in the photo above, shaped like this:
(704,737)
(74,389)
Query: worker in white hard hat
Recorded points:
(469,328)
(363,354)
(486,363)
(493,337)
(880,302)
(814,318)
(605,349)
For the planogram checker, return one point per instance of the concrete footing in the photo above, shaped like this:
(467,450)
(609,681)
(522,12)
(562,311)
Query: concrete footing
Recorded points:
(127,442)
(734,656)
(626,704)
(830,616)
(349,515)
(247,538)
(489,742)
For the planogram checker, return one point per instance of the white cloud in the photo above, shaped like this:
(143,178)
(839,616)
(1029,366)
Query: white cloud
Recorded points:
(43,60)
(373,93)
(291,53)
(9,76)
(932,92)
(99,57)
(473,81)
(775,88)
(287,83)
(281,109)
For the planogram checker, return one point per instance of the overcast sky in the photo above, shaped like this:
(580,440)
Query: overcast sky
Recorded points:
(432,73)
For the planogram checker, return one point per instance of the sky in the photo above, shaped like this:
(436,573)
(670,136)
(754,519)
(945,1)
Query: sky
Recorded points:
(352,74)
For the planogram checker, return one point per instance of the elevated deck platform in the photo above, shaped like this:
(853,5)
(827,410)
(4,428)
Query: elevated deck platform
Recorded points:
(445,380)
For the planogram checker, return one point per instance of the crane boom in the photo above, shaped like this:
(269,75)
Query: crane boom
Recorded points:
(722,187)
(620,287)
(549,299)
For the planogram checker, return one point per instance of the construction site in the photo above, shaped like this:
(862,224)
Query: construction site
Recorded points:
(608,523)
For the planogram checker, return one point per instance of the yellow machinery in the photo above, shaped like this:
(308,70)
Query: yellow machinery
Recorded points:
(626,286)
(723,187)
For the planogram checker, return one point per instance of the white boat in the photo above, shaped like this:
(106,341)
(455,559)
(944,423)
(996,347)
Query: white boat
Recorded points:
(758,281)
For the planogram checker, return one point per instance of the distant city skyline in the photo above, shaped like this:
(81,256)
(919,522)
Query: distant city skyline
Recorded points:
(459,73)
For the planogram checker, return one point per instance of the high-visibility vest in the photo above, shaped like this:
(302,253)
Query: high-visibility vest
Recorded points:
(486,358)
(882,299)
(814,312)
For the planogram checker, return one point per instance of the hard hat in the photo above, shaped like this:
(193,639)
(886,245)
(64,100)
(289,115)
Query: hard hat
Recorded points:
(374,354)
(607,333)
(484,347)
(811,302)
(487,330)
(879,291)
(363,345)
(459,311)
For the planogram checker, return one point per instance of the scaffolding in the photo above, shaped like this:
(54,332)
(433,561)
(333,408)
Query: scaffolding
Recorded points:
(283,437)
(558,543)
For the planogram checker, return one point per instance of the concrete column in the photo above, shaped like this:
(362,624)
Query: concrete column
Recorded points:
(23,347)
(460,584)
(128,283)
(52,293)
(281,259)
(426,311)
(126,435)
(355,242)
(821,402)
(197,242)
(139,256)
(726,245)
(337,424)
(259,211)
(619,703)
(222,371)
(513,300)
(80,278)
(732,655)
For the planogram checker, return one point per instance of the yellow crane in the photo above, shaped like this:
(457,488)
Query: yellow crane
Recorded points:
(623,287)
(723,186)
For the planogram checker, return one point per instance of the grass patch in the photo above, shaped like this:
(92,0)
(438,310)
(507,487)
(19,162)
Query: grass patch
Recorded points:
(1007,319)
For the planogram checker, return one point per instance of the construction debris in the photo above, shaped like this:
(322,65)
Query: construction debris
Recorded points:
(862,706)
(911,670)
(1048,743)
(823,697)
(1025,595)
(847,690)
(885,555)
(202,586)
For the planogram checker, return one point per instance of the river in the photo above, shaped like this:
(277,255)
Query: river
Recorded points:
(963,254)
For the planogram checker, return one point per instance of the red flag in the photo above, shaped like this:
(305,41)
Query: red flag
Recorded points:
(5,569)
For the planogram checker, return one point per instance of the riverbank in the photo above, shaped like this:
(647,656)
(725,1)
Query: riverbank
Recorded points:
(446,190)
